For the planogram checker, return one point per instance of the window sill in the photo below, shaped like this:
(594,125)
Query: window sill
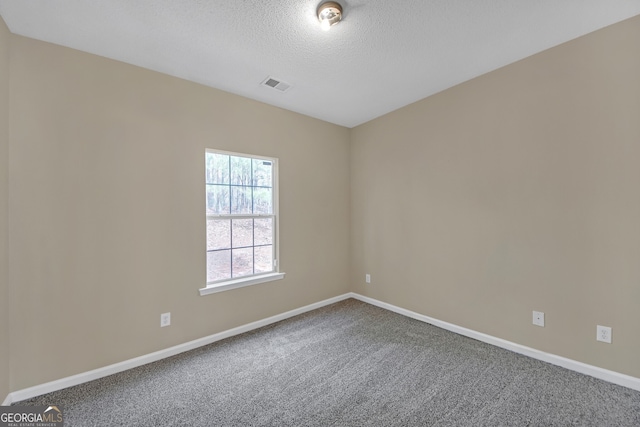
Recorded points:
(240,283)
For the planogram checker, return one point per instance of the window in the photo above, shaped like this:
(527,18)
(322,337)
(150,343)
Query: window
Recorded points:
(242,221)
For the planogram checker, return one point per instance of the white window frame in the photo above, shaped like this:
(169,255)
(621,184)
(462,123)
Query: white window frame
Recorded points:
(234,283)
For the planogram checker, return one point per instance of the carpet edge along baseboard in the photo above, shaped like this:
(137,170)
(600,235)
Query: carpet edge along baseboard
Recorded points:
(583,368)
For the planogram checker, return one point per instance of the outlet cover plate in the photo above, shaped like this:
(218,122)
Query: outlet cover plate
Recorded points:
(538,318)
(165,319)
(367,278)
(603,334)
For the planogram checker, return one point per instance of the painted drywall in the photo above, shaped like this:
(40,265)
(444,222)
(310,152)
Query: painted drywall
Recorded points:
(4,209)
(513,192)
(107,210)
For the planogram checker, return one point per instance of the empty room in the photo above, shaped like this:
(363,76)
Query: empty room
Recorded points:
(317,213)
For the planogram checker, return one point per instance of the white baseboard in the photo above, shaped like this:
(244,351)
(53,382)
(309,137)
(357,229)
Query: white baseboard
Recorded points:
(583,368)
(84,377)
(594,371)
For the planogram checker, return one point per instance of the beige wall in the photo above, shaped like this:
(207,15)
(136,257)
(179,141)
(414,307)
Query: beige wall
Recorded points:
(107,210)
(4,207)
(513,192)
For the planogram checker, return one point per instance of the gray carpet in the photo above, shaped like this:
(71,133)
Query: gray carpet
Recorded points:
(348,364)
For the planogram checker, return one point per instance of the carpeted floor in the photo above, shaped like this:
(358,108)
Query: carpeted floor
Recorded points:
(348,364)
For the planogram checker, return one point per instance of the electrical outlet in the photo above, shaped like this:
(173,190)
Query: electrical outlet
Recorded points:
(538,318)
(603,334)
(165,319)
(367,278)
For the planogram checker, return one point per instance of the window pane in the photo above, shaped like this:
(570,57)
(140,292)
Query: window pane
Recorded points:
(240,170)
(263,231)
(218,234)
(262,173)
(241,230)
(263,259)
(218,265)
(262,201)
(217,199)
(217,168)
(242,262)
(240,200)
(242,233)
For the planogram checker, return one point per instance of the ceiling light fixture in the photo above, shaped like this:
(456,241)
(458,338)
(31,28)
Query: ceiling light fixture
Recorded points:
(329,13)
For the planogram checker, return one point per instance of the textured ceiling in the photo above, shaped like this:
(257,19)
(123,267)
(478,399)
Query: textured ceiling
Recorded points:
(382,56)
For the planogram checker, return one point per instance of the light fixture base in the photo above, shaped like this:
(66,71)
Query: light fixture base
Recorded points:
(329,13)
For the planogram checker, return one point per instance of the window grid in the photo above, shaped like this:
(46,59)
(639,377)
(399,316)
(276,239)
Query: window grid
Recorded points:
(250,188)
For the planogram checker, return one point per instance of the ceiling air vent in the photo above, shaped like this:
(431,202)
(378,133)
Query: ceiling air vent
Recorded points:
(278,85)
